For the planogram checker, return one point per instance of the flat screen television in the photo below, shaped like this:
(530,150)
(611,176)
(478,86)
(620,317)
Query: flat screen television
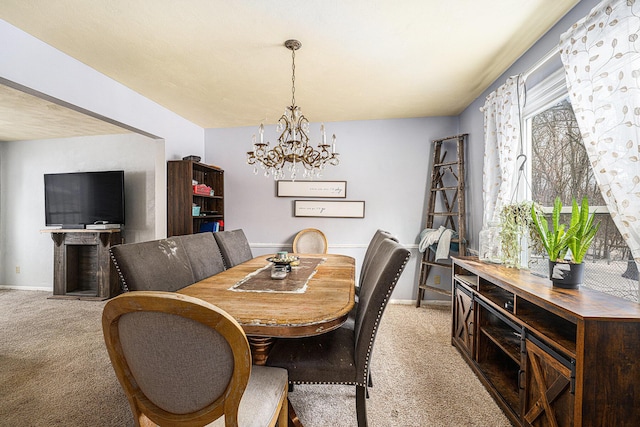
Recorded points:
(74,200)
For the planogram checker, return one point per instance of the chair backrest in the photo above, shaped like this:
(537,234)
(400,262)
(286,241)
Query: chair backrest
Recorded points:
(204,254)
(158,265)
(386,267)
(234,247)
(180,360)
(377,238)
(310,241)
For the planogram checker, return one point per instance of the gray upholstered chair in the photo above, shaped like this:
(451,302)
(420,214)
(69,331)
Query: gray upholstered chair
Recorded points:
(158,265)
(343,356)
(310,241)
(204,255)
(374,244)
(167,264)
(377,238)
(234,247)
(184,362)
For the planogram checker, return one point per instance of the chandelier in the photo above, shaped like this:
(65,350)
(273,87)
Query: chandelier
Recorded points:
(293,143)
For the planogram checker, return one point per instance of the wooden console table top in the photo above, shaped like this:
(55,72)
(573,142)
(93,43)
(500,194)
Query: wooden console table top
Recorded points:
(582,303)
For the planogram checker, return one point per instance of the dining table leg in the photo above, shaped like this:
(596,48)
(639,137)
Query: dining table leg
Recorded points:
(260,347)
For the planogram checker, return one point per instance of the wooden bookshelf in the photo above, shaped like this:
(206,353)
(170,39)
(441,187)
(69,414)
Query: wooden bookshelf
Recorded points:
(181,198)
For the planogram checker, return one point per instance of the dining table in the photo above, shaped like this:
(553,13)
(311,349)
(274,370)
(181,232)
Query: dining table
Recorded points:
(315,297)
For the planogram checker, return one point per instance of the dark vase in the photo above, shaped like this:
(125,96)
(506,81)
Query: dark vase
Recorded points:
(566,275)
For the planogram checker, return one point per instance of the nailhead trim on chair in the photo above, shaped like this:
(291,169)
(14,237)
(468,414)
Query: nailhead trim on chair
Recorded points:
(365,381)
(123,283)
(324,382)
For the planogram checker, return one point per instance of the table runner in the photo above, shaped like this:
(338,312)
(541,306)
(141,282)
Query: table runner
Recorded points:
(295,282)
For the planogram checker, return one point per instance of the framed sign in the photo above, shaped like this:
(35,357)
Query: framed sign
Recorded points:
(329,208)
(320,189)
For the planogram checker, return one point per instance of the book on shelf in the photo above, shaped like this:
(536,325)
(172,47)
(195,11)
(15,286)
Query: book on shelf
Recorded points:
(211,226)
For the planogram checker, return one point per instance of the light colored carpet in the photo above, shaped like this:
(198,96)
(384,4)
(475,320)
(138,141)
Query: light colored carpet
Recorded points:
(54,371)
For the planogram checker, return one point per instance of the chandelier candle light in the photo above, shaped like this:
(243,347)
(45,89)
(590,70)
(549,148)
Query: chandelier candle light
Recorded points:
(293,143)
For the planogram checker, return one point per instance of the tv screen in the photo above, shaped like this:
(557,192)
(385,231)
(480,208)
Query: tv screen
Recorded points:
(73,200)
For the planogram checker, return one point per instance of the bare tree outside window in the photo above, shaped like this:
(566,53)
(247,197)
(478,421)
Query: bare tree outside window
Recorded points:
(560,167)
(560,163)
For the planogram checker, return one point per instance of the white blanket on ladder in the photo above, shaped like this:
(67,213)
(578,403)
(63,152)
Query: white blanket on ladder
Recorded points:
(442,236)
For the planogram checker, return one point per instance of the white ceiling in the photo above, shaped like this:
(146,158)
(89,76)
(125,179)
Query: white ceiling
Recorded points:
(222,63)
(26,117)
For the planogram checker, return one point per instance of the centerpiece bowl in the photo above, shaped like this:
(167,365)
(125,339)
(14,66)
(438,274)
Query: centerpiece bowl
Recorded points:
(289,261)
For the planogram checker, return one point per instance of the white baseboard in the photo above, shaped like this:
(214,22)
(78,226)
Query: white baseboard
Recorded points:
(26,288)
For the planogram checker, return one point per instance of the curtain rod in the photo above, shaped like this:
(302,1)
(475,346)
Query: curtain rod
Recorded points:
(553,52)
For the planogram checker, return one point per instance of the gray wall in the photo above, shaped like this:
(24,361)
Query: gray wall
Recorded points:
(22,166)
(385,163)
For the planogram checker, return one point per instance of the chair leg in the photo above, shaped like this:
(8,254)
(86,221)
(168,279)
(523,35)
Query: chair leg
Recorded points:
(361,405)
(283,417)
(370,380)
(293,421)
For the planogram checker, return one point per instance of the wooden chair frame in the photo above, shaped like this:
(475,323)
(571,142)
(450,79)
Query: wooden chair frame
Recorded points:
(145,412)
(310,230)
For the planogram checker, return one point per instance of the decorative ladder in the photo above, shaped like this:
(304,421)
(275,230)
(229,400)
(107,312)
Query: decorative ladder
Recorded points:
(447,196)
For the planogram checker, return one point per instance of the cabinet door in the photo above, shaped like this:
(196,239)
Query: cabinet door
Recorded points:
(463,320)
(548,398)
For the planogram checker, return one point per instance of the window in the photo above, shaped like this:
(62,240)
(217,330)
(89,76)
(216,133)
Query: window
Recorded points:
(559,167)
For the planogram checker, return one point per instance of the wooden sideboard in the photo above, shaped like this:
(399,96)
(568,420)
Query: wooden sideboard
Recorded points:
(82,268)
(549,357)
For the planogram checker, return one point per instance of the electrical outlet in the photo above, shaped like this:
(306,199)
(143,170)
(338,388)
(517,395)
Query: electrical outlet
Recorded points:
(17,269)
(436,280)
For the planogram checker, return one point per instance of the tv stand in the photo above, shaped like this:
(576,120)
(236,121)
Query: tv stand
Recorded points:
(82,267)
(548,356)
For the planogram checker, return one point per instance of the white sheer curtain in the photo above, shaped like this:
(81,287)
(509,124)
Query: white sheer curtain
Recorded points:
(601,58)
(502,140)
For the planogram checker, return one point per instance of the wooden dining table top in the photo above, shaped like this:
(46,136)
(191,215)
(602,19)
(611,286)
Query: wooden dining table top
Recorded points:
(321,305)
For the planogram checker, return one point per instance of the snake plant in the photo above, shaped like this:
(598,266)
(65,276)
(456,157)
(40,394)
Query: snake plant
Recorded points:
(585,230)
(557,239)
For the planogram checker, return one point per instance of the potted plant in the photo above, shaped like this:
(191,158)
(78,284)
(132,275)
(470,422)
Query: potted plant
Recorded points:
(566,246)
(515,234)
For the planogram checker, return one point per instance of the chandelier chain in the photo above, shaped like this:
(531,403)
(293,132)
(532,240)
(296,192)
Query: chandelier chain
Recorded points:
(293,77)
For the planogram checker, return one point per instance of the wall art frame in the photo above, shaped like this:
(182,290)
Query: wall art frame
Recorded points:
(312,189)
(328,208)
